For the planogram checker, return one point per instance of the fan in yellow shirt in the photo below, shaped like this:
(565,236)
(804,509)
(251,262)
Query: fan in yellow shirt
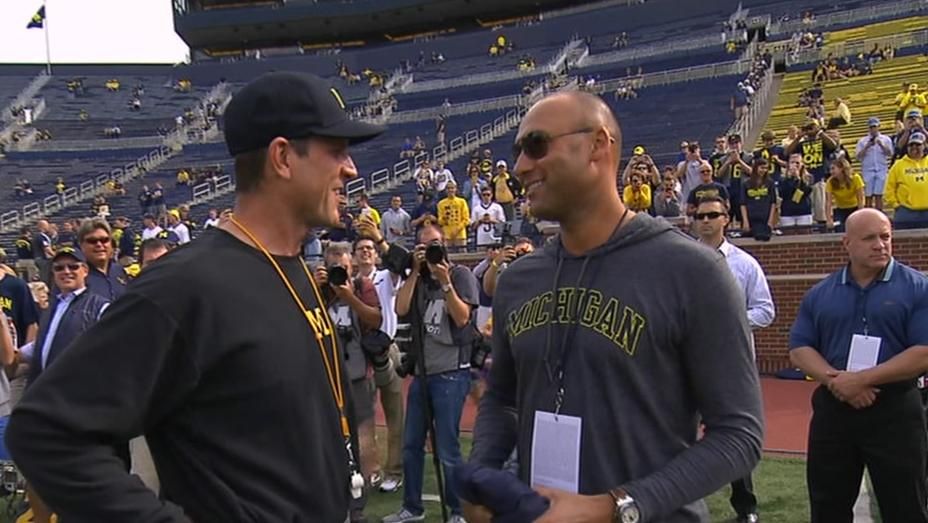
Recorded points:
(454,217)
(907,184)
(844,193)
(637,195)
(365,209)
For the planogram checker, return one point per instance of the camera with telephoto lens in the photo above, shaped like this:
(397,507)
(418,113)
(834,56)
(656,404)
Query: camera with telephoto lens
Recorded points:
(376,346)
(338,275)
(404,341)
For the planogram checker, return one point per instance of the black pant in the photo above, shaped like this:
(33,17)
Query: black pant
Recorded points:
(742,498)
(889,438)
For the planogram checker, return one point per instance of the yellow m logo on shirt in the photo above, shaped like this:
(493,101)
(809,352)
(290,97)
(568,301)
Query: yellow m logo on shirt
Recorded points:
(320,321)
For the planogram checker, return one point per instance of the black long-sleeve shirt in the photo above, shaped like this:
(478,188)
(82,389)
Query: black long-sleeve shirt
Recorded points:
(209,357)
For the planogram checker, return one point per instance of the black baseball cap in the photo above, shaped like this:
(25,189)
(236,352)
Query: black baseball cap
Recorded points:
(289,105)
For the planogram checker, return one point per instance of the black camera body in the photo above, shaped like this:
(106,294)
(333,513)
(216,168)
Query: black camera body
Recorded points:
(436,253)
(338,275)
(480,349)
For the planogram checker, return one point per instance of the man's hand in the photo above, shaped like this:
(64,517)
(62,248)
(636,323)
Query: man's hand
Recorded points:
(322,275)
(576,508)
(476,513)
(342,292)
(506,255)
(441,272)
(851,388)
(368,229)
(418,258)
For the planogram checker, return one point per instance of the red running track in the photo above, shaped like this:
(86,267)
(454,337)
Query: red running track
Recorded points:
(787,410)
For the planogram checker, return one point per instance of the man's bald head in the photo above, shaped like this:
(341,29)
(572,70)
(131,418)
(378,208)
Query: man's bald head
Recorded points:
(868,239)
(865,218)
(585,110)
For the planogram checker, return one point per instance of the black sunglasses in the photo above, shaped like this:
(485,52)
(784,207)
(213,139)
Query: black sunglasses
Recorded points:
(711,215)
(535,143)
(101,241)
(73,267)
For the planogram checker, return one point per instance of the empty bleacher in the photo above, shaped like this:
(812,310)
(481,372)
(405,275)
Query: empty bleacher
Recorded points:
(867,96)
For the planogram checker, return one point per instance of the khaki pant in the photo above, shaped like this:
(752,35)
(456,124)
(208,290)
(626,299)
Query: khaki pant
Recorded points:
(391,399)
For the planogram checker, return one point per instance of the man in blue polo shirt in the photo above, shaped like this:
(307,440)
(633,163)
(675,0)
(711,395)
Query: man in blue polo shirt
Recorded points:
(863,334)
(105,278)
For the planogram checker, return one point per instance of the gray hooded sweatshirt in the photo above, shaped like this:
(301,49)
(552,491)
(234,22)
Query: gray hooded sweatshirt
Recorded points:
(662,343)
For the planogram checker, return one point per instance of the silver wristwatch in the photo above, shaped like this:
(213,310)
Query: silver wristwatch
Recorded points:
(626,510)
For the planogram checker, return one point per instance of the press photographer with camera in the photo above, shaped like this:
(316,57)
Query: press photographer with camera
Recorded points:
(367,249)
(353,305)
(440,298)
(506,255)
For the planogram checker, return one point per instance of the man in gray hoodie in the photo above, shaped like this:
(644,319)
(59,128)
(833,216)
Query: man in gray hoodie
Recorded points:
(605,362)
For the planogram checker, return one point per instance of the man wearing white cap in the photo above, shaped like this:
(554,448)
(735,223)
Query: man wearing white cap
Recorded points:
(907,186)
(874,151)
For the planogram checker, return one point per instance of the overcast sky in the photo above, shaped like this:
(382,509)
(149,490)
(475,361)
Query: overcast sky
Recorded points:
(101,31)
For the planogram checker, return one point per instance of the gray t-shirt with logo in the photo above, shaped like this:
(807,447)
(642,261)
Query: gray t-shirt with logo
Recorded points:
(442,354)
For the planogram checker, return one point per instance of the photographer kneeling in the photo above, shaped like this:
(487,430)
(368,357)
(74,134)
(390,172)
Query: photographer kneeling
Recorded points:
(355,311)
(441,297)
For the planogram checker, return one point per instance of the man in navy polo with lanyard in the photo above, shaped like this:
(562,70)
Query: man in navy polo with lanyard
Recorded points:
(863,334)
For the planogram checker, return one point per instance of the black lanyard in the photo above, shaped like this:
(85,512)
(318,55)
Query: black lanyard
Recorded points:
(556,374)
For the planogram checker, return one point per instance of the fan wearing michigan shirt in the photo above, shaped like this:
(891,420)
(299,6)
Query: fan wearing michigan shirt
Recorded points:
(907,186)
(454,217)
(599,368)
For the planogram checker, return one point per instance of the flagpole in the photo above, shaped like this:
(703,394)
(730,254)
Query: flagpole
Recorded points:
(48,54)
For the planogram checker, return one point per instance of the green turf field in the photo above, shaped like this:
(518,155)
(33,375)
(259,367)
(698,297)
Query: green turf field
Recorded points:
(780,485)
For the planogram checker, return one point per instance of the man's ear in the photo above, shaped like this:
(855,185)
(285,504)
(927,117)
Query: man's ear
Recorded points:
(279,153)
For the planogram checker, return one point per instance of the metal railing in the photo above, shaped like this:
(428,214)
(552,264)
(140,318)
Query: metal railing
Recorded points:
(686,74)
(475,106)
(861,14)
(488,77)
(636,54)
(758,110)
(93,145)
(853,48)
(387,178)
(87,189)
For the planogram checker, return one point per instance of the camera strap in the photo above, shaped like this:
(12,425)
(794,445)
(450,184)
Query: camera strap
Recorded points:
(319,326)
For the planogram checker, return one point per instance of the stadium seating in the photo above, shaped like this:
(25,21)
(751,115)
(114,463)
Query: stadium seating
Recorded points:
(160,105)
(877,30)
(10,86)
(870,95)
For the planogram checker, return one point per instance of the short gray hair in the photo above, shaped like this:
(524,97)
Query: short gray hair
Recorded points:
(91,224)
(334,249)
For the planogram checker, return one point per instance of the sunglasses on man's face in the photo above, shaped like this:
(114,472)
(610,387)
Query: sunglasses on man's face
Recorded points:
(101,241)
(700,216)
(73,267)
(535,144)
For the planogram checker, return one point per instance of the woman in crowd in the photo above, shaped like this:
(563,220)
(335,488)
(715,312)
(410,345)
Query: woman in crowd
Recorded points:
(844,194)
(759,202)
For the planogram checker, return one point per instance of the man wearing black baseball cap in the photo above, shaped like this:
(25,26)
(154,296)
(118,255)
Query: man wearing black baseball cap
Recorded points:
(222,353)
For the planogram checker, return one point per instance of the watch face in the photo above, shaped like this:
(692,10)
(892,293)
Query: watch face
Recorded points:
(630,514)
